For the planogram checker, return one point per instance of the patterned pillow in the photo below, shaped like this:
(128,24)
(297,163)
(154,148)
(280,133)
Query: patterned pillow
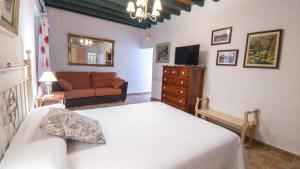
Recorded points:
(117,83)
(70,125)
(65,84)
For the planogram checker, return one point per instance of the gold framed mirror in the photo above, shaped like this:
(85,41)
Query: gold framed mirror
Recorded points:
(90,51)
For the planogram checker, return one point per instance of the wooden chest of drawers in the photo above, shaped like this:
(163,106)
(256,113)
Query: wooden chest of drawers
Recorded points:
(181,85)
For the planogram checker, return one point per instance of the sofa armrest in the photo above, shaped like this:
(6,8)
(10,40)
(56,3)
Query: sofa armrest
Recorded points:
(56,88)
(124,91)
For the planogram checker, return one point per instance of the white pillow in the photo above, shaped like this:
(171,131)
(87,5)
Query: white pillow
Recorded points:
(43,154)
(30,130)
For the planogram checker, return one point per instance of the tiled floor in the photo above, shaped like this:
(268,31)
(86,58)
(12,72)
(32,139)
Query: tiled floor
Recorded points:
(131,99)
(265,157)
(260,156)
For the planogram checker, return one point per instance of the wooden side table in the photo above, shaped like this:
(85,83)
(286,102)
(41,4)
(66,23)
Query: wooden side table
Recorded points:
(44,100)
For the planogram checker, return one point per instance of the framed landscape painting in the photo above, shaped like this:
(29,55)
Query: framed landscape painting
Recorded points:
(227,57)
(9,16)
(263,49)
(163,52)
(221,36)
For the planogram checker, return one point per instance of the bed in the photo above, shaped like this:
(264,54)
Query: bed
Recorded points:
(149,135)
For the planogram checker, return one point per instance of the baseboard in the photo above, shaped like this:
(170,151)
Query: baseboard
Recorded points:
(254,139)
(139,93)
(155,99)
(272,147)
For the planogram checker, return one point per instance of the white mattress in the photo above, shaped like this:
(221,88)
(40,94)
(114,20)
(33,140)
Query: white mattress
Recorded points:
(156,136)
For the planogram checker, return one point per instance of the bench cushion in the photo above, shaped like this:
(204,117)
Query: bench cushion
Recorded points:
(226,118)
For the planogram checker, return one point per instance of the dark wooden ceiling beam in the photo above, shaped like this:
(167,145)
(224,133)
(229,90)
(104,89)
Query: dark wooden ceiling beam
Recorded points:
(178,4)
(101,9)
(123,3)
(87,11)
(112,6)
(198,2)
(115,10)
(172,10)
(160,19)
(105,4)
(165,14)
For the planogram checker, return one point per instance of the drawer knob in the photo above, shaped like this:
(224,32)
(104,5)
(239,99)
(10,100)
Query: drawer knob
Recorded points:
(164,95)
(165,71)
(183,73)
(181,91)
(164,87)
(180,101)
(165,79)
(173,72)
(181,82)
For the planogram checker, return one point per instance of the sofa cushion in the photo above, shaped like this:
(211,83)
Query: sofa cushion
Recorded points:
(79,93)
(79,80)
(108,91)
(102,79)
(117,83)
(65,85)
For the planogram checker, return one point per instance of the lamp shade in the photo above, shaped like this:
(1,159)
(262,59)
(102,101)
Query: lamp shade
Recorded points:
(155,12)
(139,12)
(140,3)
(48,77)
(130,7)
(157,5)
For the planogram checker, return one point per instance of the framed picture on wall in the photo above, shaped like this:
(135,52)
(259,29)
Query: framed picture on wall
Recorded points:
(263,49)
(9,20)
(227,57)
(163,52)
(221,36)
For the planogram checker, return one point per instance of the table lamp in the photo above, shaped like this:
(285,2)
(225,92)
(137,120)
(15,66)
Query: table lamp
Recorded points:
(48,77)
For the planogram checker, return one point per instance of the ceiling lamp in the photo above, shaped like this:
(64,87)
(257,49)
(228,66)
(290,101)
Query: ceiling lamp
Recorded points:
(140,8)
(85,42)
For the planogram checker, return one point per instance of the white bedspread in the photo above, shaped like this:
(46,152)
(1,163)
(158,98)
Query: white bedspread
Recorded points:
(156,136)
(33,148)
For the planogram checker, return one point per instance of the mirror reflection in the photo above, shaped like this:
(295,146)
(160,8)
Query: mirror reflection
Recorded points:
(90,51)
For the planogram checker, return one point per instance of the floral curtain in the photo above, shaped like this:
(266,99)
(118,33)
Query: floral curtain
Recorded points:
(43,57)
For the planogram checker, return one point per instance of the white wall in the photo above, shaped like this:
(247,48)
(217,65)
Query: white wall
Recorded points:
(13,48)
(146,68)
(236,89)
(129,58)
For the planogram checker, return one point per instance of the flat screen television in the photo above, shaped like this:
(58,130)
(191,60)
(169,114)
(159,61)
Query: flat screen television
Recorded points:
(187,55)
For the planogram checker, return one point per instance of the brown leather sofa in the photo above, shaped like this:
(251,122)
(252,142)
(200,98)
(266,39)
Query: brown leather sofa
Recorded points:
(82,88)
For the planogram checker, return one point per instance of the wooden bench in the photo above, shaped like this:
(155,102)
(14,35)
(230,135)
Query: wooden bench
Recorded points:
(241,125)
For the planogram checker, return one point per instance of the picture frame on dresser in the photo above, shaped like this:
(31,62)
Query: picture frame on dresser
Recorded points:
(227,57)
(221,36)
(9,18)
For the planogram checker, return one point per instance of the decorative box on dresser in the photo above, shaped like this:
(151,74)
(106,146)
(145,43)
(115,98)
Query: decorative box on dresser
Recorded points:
(181,85)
